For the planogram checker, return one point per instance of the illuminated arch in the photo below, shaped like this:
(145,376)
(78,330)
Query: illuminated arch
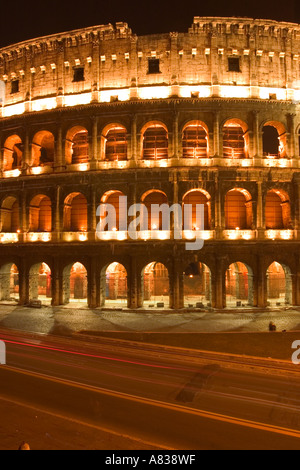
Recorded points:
(40,214)
(192,198)
(12,153)
(195,141)
(154,141)
(75,213)
(277,210)
(238,209)
(235,139)
(43,148)
(115,278)
(274,139)
(77,145)
(155,285)
(9,282)
(197,285)
(154,197)
(239,285)
(114,142)
(10,216)
(113,198)
(75,283)
(40,282)
(279,284)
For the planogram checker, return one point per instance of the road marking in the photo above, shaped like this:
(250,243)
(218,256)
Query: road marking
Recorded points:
(83,423)
(161,404)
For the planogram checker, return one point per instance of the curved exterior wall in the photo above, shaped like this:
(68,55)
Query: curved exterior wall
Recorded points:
(242,71)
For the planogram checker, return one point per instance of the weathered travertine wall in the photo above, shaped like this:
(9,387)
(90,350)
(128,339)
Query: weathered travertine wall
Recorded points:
(114,57)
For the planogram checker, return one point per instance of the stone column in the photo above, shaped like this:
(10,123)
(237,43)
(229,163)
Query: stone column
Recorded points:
(261,282)
(175,137)
(256,150)
(176,286)
(26,153)
(57,220)
(291,147)
(94,146)
(219,280)
(260,211)
(55,283)
(217,147)
(60,157)
(92,212)
(133,155)
(92,284)
(132,283)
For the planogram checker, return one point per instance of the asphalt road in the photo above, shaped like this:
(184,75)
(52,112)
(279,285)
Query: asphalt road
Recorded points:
(161,399)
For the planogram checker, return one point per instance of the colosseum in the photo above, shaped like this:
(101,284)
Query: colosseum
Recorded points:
(210,116)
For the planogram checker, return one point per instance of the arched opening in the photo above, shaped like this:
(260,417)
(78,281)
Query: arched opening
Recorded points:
(116,144)
(239,285)
(194,141)
(155,218)
(43,146)
(235,139)
(75,284)
(238,210)
(190,202)
(277,210)
(77,145)
(279,285)
(10,217)
(155,142)
(40,214)
(155,283)
(119,218)
(75,213)
(197,286)
(9,283)
(115,286)
(40,283)
(274,140)
(12,153)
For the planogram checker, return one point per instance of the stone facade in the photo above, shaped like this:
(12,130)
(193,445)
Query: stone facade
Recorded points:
(224,74)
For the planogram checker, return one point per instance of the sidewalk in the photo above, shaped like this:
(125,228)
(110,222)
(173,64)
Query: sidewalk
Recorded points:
(71,319)
(235,332)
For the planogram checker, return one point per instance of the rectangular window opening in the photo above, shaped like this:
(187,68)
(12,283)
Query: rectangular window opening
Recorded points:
(78,74)
(234,64)
(14,86)
(153,65)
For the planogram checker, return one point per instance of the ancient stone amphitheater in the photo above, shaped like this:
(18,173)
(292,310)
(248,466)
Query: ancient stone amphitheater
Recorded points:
(210,116)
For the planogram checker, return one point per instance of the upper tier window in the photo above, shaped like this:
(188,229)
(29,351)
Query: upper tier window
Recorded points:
(14,86)
(234,64)
(153,65)
(78,74)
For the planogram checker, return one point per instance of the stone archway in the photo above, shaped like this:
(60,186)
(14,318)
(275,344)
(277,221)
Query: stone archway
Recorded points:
(155,285)
(40,283)
(197,285)
(9,283)
(279,285)
(239,285)
(114,291)
(75,284)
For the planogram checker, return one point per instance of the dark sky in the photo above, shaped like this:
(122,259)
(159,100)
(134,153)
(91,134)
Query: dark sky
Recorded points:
(22,20)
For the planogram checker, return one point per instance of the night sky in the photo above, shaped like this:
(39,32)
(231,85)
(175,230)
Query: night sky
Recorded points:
(21,20)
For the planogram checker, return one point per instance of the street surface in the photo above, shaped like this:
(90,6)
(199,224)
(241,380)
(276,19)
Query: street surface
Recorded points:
(153,396)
